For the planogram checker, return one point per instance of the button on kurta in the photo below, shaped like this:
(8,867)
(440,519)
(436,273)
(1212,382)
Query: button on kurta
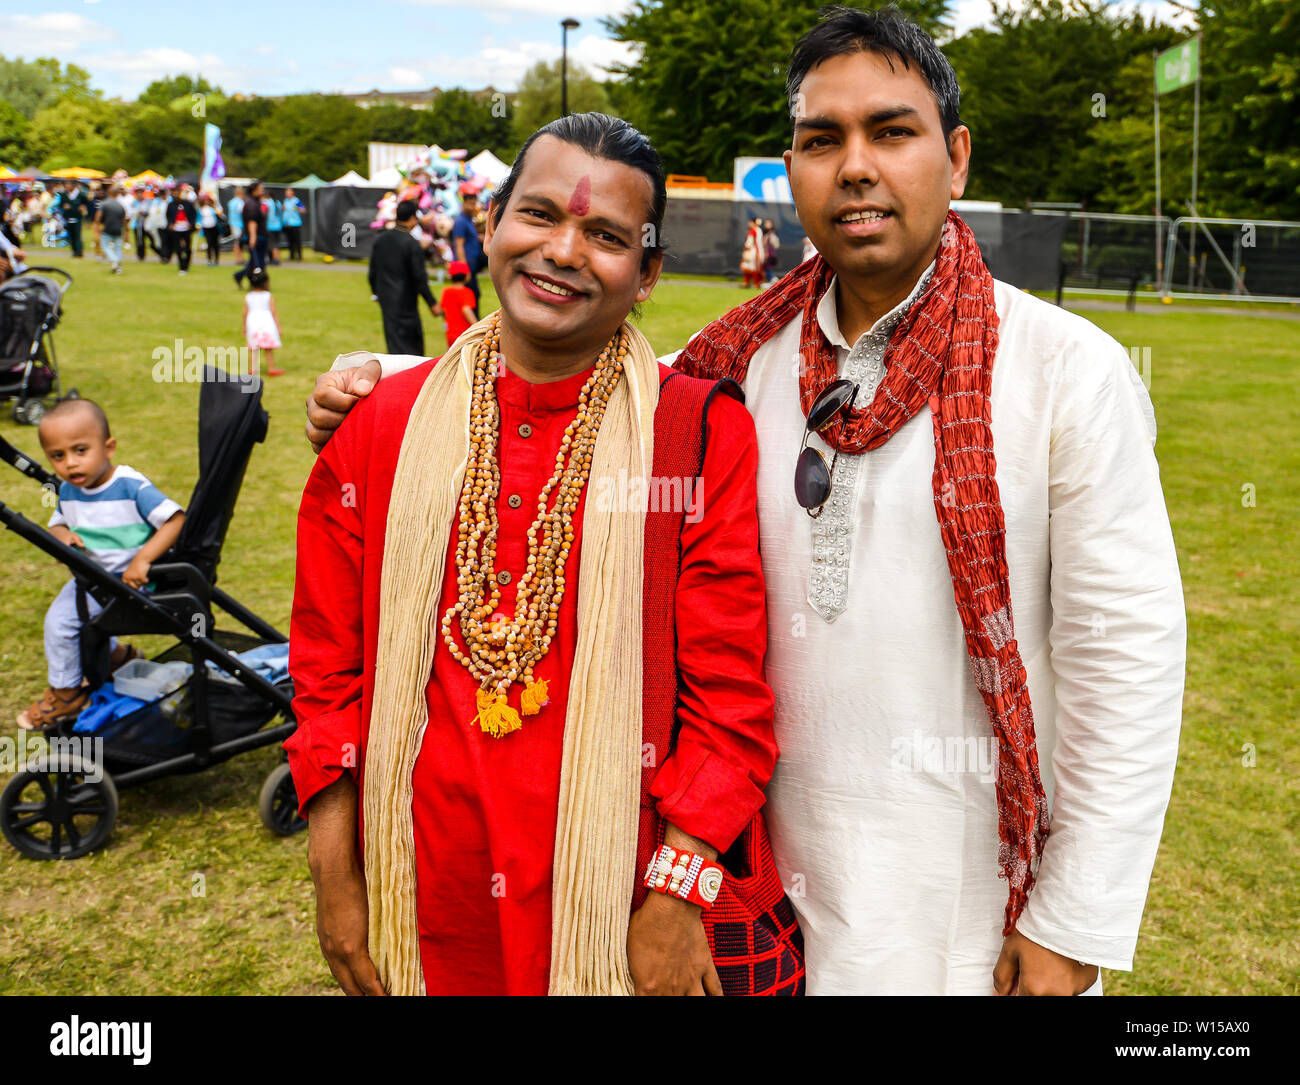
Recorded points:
(503,577)
(514,501)
(525,430)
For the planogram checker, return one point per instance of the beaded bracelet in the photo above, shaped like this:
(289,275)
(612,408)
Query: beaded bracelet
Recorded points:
(685,875)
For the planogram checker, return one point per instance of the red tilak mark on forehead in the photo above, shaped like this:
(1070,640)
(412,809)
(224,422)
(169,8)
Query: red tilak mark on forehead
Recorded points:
(580,201)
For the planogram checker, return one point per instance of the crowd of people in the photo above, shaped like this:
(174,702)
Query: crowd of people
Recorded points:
(167,219)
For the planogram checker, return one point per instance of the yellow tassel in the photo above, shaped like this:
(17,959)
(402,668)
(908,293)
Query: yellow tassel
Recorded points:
(495,715)
(484,699)
(535,697)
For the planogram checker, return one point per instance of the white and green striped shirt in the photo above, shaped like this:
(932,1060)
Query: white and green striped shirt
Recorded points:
(114,519)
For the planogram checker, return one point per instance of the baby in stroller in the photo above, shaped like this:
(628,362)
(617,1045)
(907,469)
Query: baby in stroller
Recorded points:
(118,517)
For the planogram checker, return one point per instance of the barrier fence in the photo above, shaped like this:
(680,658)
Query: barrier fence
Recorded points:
(1034,250)
(1234,258)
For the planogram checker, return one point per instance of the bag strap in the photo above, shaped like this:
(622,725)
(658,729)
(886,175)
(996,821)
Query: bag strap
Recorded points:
(681,431)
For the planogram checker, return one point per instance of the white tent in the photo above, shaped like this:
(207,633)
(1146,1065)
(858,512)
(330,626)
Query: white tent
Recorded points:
(352,178)
(389,177)
(486,164)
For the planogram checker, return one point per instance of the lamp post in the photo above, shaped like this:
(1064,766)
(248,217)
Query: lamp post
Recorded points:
(567,24)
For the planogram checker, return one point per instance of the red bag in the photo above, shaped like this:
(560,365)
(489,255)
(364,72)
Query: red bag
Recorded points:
(753,934)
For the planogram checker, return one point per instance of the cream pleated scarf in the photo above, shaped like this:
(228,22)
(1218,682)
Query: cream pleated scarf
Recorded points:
(596,828)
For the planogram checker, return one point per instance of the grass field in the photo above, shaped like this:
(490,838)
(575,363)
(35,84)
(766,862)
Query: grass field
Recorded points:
(136,918)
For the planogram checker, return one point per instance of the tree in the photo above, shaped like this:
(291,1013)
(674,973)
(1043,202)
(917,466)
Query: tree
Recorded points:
(391,123)
(166,90)
(32,85)
(473,120)
(160,138)
(13,135)
(1250,157)
(237,118)
(709,83)
(537,102)
(1037,89)
(324,133)
(62,133)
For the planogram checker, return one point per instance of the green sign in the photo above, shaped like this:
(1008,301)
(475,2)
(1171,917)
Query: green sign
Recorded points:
(1179,66)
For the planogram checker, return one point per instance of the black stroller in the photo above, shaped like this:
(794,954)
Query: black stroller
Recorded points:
(63,803)
(31,305)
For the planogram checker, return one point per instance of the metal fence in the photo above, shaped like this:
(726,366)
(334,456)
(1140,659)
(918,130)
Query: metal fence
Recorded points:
(1110,251)
(1230,259)
(1233,259)
(705,237)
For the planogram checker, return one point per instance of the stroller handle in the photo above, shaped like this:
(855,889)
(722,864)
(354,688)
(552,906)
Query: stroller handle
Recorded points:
(29,467)
(64,286)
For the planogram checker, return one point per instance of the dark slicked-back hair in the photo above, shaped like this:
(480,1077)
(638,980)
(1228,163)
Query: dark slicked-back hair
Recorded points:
(601,136)
(69,406)
(888,32)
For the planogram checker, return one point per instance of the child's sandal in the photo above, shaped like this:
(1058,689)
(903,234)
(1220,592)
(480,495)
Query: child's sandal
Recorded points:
(53,708)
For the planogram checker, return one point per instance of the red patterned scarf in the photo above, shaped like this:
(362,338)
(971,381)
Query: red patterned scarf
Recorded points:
(940,356)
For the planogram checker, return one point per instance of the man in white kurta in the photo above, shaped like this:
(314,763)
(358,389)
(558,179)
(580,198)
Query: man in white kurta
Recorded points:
(882,810)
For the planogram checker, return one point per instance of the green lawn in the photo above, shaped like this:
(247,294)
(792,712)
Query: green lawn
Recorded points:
(135,918)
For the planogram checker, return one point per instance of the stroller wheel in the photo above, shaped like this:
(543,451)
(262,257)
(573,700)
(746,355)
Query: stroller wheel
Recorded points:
(28,412)
(58,808)
(278,803)
(72,393)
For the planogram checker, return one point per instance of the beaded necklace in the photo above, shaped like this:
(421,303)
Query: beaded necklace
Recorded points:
(504,651)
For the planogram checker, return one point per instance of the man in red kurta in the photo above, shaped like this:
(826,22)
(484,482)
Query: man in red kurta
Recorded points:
(485,809)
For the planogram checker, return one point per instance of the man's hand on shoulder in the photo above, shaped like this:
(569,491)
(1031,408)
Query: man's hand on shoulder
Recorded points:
(336,393)
(1026,968)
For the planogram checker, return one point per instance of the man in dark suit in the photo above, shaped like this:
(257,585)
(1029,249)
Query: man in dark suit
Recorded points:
(397,279)
(182,216)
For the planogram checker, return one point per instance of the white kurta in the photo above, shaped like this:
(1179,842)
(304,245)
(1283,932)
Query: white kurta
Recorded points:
(882,811)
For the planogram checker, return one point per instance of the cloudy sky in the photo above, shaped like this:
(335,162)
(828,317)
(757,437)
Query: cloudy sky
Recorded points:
(328,45)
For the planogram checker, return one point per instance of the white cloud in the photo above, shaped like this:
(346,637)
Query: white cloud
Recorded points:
(127,72)
(497,63)
(156,63)
(596,53)
(407,79)
(503,65)
(36,35)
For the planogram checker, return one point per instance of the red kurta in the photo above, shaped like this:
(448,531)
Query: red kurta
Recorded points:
(485,808)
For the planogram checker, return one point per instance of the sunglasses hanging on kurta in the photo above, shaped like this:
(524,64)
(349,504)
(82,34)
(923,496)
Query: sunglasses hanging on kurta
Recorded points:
(812,475)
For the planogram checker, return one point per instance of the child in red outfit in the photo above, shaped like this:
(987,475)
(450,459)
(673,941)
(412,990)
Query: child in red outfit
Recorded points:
(457,302)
